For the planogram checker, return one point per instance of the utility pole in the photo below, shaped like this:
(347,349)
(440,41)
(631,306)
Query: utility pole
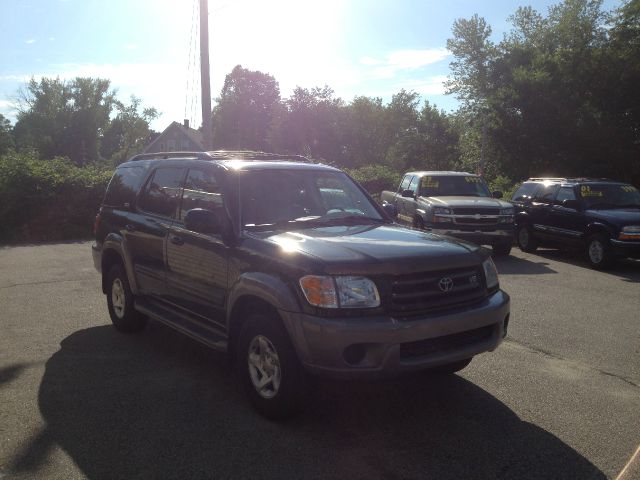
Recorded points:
(207,130)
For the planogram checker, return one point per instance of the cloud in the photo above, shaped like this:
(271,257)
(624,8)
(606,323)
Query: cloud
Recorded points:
(30,41)
(404,60)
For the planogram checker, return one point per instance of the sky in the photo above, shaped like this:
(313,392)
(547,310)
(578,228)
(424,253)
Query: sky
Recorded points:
(149,48)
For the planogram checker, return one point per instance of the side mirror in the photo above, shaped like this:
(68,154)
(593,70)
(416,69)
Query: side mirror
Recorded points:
(202,221)
(569,203)
(391,209)
(408,193)
(497,194)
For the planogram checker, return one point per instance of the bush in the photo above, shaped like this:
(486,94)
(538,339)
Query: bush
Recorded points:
(48,200)
(375,178)
(505,185)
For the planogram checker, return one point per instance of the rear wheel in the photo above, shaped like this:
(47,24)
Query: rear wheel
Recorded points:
(598,250)
(273,377)
(526,241)
(120,302)
(451,368)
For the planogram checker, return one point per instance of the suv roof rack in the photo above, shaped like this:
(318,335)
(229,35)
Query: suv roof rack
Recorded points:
(221,155)
(546,179)
(569,179)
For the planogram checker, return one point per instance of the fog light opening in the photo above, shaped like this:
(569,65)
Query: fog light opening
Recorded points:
(354,354)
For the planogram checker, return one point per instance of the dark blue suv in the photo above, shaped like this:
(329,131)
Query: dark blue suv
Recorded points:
(602,217)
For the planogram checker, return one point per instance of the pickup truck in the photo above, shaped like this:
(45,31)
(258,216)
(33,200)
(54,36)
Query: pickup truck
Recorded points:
(457,204)
(291,269)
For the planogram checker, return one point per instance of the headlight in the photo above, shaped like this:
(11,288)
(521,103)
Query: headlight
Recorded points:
(630,232)
(340,292)
(507,211)
(441,211)
(490,273)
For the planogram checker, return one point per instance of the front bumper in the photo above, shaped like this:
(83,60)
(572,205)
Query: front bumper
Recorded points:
(480,236)
(383,345)
(626,248)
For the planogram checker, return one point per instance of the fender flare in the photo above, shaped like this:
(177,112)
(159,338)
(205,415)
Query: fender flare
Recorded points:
(118,244)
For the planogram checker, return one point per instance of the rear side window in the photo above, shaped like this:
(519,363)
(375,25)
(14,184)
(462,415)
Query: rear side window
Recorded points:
(526,190)
(123,186)
(162,192)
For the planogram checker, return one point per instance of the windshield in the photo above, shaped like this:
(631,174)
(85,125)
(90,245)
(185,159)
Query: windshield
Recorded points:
(284,197)
(610,196)
(449,186)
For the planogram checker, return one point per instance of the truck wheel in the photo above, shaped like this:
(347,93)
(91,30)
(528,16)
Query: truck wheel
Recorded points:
(599,254)
(120,302)
(502,249)
(526,241)
(418,223)
(273,377)
(451,368)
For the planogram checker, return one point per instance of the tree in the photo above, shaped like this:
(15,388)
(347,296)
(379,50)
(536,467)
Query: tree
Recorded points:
(246,107)
(129,132)
(64,118)
(6,135)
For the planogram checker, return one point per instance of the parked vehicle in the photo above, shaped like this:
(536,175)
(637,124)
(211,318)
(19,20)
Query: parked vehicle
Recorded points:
(292,269)
(456,204)
(601,217)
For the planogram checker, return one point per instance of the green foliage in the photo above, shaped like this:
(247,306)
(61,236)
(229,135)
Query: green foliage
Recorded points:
(376,178)
(6,135)
(48,200)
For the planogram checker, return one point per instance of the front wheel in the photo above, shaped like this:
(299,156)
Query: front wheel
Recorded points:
(599,253)
(273,377)
(526,241)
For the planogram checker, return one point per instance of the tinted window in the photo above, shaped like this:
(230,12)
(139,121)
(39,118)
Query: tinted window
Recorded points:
(162,191)
(525,191)
(565,193)
(123,186)
(201,190)
(546,194)
(414,184)
(610,196)
(458,185)
(405,182)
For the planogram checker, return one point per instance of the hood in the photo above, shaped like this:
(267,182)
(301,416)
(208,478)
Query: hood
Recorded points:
(379,249)
(480,202)
(617,216)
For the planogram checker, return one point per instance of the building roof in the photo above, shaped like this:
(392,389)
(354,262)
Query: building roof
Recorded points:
(194,135)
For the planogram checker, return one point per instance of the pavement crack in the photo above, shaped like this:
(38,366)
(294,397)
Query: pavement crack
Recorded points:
(555,356)
(44,282)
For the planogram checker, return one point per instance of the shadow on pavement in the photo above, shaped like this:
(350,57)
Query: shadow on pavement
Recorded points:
(626,269)
(161,406)
(510,265)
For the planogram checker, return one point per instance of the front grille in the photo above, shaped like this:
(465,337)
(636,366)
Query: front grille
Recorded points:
(476,221)
(444,344)
(423,292)
(478,211)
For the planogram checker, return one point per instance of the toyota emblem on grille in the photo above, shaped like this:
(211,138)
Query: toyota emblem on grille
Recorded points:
(445,284)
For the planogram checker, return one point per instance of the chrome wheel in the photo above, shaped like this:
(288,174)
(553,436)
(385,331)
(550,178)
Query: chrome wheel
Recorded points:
(523,237)
(596,252)
(264,367)
(118,298)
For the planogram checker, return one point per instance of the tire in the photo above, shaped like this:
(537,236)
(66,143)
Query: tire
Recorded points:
(502,249)
(526,241)
(598,252)
(120,302)
(273,378)
(418,223)
(451,368)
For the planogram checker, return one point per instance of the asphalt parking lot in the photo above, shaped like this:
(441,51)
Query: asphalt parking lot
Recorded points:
(559,399)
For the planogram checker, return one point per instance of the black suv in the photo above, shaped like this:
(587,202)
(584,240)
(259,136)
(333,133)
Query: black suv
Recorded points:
(291,268)
(602,217)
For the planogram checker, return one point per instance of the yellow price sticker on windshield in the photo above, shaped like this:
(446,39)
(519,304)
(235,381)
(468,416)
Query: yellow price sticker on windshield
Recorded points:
(472,179)
(428,182)
(585,191)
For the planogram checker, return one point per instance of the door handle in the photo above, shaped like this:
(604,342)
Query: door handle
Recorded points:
(176,240)
(130,228)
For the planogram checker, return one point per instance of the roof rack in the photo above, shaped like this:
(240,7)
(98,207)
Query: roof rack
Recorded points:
(569,179)
(221,155)
(546,179)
